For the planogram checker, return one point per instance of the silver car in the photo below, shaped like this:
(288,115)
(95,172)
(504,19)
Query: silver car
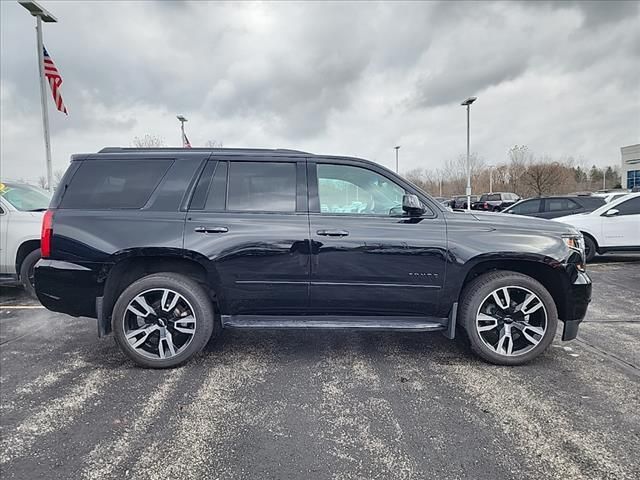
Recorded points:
(21,211)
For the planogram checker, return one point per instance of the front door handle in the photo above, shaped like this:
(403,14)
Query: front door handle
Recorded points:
(333,233)
(211,229)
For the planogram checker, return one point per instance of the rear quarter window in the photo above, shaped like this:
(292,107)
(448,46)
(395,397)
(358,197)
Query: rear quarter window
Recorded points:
(114,184)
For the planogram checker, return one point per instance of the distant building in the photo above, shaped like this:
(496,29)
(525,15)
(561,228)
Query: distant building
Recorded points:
(630,166)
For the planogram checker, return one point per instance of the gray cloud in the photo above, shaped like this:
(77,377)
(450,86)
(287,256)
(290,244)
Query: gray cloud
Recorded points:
(353,78)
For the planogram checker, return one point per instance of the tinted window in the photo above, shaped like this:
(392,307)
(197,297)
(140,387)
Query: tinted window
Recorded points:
(528,206)
(107,184)
(200,194)
(351,190)
(490,197)
(218,190)
(630,207)
(557,204)
(591,202)
(262,186)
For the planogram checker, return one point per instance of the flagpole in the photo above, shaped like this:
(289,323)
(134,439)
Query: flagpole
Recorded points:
(43,99)
(42,15)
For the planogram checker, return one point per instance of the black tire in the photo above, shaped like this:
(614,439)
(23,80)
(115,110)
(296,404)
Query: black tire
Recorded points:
(191,291)
(590,248)
(479,289)
(26,272)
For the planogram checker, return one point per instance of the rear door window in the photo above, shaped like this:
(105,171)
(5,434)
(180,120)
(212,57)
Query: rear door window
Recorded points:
(560,204)
(211,191)
(114,184)
(528,206)
(262,187)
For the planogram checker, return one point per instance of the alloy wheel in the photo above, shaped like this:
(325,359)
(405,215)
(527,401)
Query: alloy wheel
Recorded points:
(159,323)
(511,320)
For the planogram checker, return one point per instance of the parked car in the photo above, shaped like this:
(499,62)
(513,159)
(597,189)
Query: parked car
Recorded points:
(608,196)
(21,211)
(445,202)
(614,227)
(556,206)
(167,246)
(495,202)
(460,202)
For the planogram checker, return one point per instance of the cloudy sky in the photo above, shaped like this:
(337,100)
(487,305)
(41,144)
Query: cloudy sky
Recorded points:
(340,78)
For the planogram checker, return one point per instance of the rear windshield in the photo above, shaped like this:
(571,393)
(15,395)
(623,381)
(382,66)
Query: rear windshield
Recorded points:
(490,197)
(114,184)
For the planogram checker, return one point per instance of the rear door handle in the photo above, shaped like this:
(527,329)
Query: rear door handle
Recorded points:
(333,233)
(211,229)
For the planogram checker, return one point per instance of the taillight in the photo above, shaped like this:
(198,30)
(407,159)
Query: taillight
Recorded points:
(47,232)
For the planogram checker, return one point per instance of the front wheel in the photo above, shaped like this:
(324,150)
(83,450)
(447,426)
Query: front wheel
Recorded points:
(590,248)
(162,320)
(510,318)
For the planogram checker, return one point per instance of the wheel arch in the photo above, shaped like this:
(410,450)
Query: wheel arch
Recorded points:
(552,278)
(135,265)
(592,237)
(25,249)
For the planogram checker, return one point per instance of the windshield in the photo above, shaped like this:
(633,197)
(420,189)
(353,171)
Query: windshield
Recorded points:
(24,197)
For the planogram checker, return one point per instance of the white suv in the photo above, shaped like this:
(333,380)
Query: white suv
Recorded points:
(614,227)
(21,211)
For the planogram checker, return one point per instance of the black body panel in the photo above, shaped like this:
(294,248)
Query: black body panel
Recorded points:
(284,264)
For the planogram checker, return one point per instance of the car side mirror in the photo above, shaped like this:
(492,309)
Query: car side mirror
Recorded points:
(611,213)
(411,205)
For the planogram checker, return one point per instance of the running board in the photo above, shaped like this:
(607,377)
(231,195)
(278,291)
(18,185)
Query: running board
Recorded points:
(406,324)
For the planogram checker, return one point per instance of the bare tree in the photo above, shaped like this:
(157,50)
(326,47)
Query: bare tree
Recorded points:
(42,182)
(148,141)
(519,158)
(213,144)
(544,177)
(416,176)
(525,175)
(57,177)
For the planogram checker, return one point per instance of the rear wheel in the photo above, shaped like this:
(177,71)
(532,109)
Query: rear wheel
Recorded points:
(163,320)
(590,248)
(510,318)
(27,269)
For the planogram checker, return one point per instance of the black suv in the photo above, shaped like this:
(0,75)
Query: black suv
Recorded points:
(495,202)
(460,202)
(557,206)
(167,246)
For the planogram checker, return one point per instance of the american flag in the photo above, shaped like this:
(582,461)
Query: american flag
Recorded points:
(185,141)
(55,81)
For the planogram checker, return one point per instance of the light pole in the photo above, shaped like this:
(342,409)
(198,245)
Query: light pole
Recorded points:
(491,167)
(397,147)
(468,103)
(42,15)
(182,119)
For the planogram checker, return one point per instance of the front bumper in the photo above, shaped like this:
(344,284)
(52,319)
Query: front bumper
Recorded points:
(577,301)
(68,287)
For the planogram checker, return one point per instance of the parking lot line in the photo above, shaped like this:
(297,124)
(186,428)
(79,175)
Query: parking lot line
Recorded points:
(21,307)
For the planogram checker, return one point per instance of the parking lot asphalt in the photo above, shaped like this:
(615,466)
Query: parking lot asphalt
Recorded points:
(323,405)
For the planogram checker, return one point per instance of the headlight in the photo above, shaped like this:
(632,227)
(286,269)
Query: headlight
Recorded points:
(575,242)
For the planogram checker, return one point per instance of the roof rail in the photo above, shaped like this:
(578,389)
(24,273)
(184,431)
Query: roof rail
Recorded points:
(199,149)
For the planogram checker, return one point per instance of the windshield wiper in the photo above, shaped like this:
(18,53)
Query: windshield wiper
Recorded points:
(37,210)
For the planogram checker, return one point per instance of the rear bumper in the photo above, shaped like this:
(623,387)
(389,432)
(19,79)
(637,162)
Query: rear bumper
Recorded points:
(578,298)
(68,287)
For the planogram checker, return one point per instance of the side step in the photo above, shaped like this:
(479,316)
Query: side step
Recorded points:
(407,324)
